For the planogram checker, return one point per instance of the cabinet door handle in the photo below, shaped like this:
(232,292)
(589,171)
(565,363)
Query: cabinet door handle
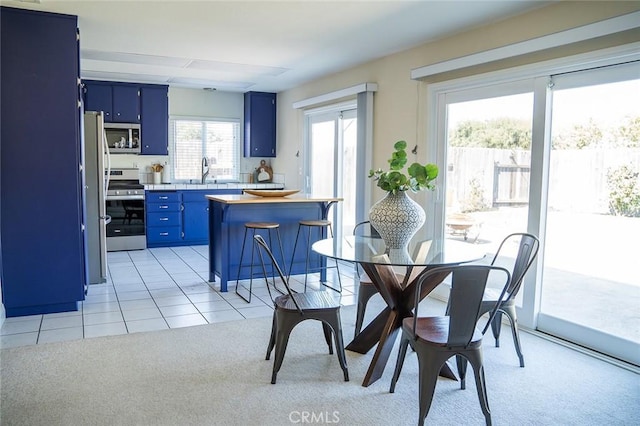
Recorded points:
(164,218)
(163,207)
(163,198)
(164,234)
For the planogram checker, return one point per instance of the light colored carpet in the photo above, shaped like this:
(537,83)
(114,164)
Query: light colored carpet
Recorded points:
(217,375)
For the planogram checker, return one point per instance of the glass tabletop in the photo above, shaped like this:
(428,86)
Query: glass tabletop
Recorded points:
(436,252)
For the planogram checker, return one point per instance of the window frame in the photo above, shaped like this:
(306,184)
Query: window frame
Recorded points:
(237,154)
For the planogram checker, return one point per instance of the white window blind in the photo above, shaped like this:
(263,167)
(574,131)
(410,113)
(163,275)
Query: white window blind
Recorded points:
(218,141)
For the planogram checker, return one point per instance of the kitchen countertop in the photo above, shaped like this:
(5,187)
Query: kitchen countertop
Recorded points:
(188,186)
(252,199)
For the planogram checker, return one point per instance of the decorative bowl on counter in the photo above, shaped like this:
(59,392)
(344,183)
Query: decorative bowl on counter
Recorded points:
(271,192)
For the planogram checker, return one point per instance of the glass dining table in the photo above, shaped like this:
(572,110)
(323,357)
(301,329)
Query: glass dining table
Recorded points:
(383,268)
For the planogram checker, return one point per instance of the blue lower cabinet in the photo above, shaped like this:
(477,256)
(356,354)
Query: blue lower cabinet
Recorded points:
(167,236)
(196,222)
(164,218)
(179,218)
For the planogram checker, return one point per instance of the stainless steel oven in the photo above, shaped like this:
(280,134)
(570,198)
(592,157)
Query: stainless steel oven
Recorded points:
(125,205)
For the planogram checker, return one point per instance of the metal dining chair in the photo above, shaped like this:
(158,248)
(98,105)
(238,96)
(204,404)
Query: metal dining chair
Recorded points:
(366,289)
(528,245)
(438,338)
(291,308)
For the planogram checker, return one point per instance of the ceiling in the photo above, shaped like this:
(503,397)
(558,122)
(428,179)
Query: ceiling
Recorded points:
(257,45)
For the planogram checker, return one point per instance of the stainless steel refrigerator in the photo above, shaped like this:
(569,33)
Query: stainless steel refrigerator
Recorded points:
(96,181)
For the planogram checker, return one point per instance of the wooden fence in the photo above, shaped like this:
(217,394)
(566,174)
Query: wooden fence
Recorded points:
(485,178)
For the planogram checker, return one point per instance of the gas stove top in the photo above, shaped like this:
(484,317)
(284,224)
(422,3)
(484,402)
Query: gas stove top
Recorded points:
(125,182)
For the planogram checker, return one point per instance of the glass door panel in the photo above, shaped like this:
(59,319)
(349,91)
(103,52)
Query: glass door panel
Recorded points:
(488,167)
(322,154)
(332,163)
(591,284)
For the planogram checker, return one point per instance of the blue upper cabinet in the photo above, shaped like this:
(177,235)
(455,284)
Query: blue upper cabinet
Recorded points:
(154,108)
(147,104)
(120,102)
(98,97)
(259,124)
(43,244)
(126,103)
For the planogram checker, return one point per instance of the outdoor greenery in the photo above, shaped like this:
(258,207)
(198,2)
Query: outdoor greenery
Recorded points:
(475,201)
(418,176)
(624,191)
(509,133)
(500,133)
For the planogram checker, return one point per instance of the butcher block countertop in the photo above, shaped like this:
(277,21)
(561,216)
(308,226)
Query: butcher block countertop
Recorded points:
(252,199)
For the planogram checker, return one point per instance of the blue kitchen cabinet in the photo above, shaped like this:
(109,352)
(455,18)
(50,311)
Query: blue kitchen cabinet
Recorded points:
(164,225)
(154,117)
(147,104)
(98,97)
(119,101)
(195,216)
(43,267)
(259,124)
(126,103)
(179,218)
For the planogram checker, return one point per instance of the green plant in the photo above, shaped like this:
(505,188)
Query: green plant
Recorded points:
(474,202)
(624,191)
(418,176)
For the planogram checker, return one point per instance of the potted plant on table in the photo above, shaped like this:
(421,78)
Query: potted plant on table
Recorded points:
(397,217)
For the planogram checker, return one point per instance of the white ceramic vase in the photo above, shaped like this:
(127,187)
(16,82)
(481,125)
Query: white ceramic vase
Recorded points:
(397,218)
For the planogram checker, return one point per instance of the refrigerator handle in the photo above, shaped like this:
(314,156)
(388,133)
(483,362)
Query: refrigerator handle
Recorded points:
(105,147)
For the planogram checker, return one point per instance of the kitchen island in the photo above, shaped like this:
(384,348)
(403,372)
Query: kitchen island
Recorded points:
(229,213)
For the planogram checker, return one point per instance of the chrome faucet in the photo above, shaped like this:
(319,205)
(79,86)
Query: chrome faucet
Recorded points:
(205,163)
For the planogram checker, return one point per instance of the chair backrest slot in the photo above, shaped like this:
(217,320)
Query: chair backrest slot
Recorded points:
(527,252)
(262,247)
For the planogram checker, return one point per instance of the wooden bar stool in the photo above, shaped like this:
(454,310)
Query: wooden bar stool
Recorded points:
(311,224)
(269,226)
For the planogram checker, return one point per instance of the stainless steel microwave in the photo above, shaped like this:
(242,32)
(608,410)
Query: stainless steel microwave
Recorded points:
(123,138)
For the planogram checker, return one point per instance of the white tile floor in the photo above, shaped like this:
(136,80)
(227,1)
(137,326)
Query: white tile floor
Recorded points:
(153,289)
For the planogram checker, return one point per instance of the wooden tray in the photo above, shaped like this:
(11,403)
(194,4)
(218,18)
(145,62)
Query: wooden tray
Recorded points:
(271,193)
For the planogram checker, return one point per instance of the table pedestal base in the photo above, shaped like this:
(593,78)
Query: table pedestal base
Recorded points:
(384,329)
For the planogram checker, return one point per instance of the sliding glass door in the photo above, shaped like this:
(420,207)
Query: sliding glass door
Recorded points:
(591,286)
(557,156)
(488,162)
(332,142)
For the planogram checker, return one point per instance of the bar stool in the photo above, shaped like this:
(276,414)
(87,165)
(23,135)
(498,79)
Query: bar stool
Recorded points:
(311,224)
(269,226)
